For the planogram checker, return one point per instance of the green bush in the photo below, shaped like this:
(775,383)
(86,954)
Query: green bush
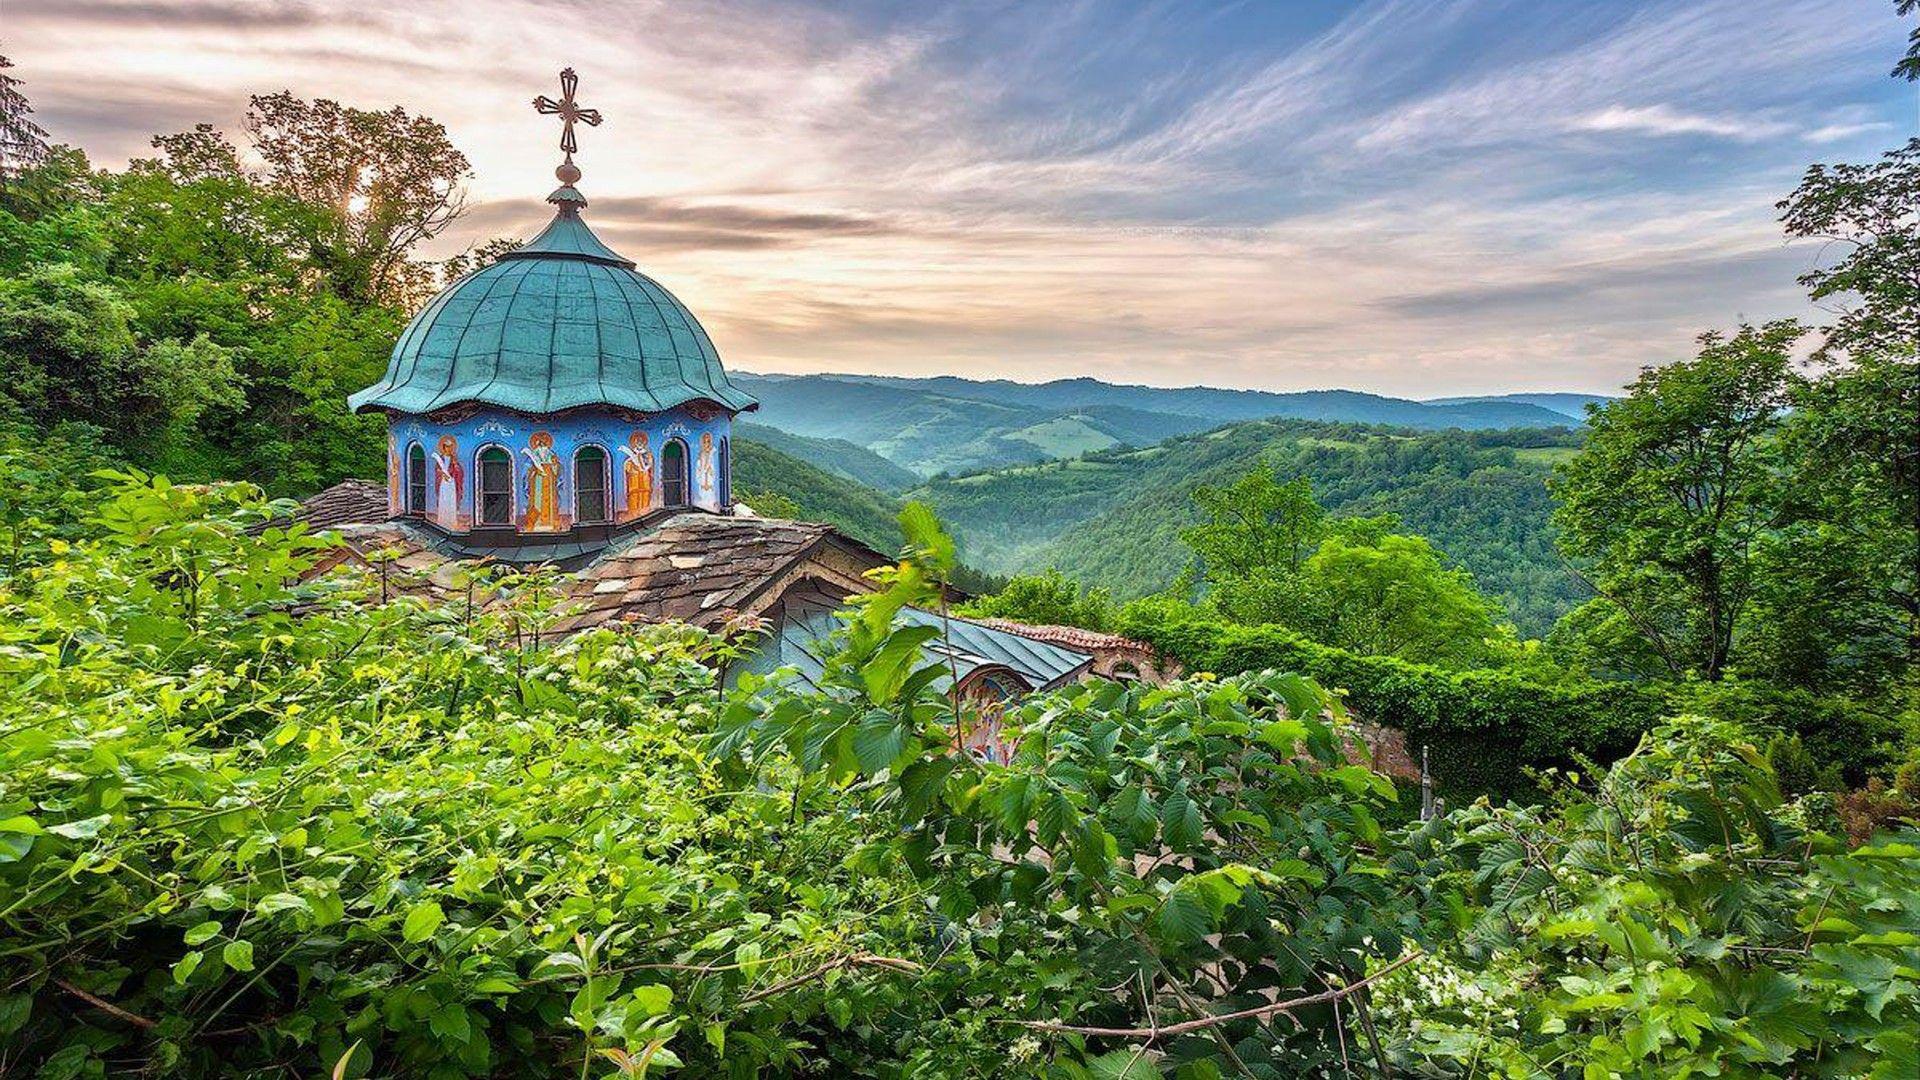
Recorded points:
(1484,729)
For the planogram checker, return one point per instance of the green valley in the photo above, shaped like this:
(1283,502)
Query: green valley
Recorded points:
(1112,518)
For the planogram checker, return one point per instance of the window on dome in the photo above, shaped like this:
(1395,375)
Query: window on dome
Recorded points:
(590,486)
(673,472)
(417,480)
(496,487)
(726,473)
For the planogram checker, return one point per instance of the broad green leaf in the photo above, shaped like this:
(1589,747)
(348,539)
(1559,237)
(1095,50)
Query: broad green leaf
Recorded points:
(422,920)
(451,1022)
(201,933)
(84,829)
(238,955)
(1183,917)
(653,999)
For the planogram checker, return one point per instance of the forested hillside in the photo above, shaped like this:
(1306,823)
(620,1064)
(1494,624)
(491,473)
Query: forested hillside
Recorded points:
(837,456)
(1113,520)
(804,492)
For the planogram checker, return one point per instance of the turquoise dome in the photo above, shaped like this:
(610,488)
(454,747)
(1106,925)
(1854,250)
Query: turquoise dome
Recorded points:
(559,323)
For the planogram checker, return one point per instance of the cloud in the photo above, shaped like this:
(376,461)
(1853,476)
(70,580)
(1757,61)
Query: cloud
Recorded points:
(214,14)
(657,223)
(1666,120)
(1831,133)
(1393,195)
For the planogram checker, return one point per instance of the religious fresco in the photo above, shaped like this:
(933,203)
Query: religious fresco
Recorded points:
(703,475)
(637,469)
(541,511)
(543,450)
(447,484)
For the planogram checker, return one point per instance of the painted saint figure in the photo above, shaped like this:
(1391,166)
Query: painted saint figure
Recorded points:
(543,484)
(703,473)
(394,493)
(638,471)
(448,482)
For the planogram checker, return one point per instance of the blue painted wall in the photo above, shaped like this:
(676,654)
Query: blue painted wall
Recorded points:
(543,451)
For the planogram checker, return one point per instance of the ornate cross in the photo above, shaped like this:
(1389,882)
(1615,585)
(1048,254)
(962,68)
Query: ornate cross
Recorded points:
(569,111)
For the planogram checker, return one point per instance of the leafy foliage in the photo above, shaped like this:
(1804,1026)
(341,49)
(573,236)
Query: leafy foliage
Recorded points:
(1049,599)
(1672,490)
(1675,919)
(1270,555)
(1193,848)
(377,835)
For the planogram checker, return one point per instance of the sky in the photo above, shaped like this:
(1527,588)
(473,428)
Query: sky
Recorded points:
(1411,197)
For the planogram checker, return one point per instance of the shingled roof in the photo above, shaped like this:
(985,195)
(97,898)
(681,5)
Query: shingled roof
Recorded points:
(349,502)
(699,568)
(692,567)
(707,570)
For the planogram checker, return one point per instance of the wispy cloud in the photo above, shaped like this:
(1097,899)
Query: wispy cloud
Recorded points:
(1666,120)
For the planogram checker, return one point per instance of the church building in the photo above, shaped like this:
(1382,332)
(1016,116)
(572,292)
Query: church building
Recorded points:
(557,407)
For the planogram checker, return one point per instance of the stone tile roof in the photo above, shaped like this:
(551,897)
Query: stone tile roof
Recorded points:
(696,568)
(1071,636)
(349,502)
(693,567)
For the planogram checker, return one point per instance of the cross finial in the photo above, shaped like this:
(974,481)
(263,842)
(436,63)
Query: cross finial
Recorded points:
(569,111)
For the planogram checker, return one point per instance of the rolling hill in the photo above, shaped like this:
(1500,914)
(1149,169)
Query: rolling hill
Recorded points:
(837,456)
(1113,518)
(859,511)
(953,425)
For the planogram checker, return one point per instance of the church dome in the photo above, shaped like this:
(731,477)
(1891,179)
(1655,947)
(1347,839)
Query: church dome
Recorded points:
(559,323)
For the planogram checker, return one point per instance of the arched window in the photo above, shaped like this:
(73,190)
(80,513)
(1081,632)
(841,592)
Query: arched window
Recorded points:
(417,480)
(590,486)
(673,473)
(496,486)
(726,474)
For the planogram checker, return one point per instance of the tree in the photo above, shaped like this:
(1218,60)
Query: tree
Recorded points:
(22,142)
(1256,523)
(391,179)
(1391,595)
(68,351)
(1257,533)
(1872,214)
(1842,595)
(1662,507)
(1909,66)
(1049,599)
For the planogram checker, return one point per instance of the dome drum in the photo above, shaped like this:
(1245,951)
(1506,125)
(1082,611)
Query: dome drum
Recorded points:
(491,471)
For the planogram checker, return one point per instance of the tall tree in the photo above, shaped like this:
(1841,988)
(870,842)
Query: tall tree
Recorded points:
(1662,507)
(23,143)
(1870,213)
(392,179)
(1392,595)
(1256,523)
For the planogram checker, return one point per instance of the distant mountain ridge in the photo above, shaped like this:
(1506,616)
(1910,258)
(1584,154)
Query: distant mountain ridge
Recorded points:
(948,424)
(1573,405)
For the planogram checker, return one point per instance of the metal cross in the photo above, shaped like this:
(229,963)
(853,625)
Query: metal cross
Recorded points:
(569,111)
